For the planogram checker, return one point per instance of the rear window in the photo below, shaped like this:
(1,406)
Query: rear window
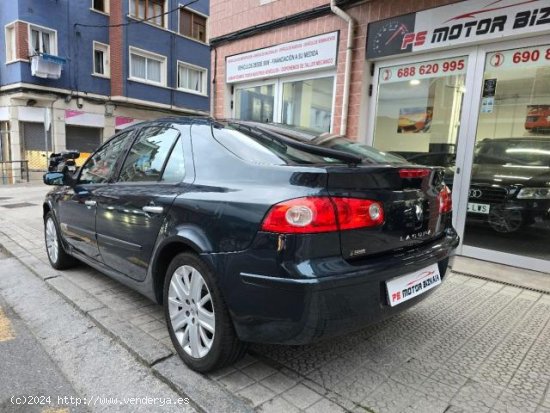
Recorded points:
(368,153)
(259,147)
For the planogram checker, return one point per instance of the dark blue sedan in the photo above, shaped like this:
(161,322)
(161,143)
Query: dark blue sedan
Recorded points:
(245,234)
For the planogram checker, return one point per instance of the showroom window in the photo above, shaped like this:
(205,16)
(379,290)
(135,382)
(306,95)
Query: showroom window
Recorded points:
(255,103)
(418,110)
(308,103)
(509,194)
(305,103)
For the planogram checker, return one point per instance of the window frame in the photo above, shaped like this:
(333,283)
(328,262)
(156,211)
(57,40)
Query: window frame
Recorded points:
(106,49)
(192,67)
(179,139)
(10,42)
(278,85)
(148,55)
(193,13)
(106,5)
(164,24)
(42,29)
(132,132)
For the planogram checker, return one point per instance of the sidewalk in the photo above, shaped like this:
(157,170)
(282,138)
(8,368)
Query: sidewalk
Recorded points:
(473,346)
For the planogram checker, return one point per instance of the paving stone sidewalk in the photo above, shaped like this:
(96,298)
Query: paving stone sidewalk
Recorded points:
(472,346)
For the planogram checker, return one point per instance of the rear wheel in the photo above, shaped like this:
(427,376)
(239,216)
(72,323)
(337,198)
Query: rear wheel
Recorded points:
(58,257)
(196,315)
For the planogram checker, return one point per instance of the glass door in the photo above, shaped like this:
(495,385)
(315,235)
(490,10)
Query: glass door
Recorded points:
(419,111)
(508,207)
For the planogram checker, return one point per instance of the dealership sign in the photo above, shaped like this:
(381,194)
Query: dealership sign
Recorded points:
(313,53)
(457,24)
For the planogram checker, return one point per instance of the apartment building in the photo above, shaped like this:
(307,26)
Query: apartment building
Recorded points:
(74,72)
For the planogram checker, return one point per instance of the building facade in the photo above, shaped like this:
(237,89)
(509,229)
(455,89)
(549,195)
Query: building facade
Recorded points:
(459,84)
(73,72)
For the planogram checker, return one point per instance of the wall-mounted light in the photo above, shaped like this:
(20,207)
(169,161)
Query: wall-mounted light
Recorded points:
(414,82)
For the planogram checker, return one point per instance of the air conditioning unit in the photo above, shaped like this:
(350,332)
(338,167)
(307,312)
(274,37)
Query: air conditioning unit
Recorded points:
(47,66)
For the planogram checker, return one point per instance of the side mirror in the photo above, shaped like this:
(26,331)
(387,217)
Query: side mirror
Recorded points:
(54,178)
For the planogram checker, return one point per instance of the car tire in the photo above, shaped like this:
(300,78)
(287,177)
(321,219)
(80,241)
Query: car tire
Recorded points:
(196,315)
(58,257)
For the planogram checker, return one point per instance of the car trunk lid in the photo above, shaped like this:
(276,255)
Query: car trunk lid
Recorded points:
(410,199)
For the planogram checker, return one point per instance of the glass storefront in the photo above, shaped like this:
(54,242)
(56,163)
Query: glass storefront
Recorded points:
(255,103)
(308,103)
(303,102)
(509,194)
(419,108)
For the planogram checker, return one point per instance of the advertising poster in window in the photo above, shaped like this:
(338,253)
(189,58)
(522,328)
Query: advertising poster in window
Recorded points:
(415,120)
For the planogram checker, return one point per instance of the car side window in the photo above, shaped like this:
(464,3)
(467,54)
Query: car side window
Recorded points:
(175,168)
(147,157)
(100,167)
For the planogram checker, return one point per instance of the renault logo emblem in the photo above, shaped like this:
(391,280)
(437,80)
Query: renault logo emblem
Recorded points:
(475,193)
(419,212)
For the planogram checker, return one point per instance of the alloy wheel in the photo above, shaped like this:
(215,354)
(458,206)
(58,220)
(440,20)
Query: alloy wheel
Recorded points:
(505,220)
(52,244)
(191,311)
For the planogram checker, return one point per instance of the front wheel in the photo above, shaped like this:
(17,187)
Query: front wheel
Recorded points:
(58,257)
(196,315)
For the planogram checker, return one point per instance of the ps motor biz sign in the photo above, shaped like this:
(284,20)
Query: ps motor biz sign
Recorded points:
(457,24)
(318,52)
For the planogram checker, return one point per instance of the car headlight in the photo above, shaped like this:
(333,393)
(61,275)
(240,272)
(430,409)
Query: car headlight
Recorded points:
(534,193)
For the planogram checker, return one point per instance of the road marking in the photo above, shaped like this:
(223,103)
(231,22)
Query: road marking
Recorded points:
(6,330)
(56,410)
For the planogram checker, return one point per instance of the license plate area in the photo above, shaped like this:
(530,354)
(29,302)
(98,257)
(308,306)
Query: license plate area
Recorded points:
(405,287)
(479,208)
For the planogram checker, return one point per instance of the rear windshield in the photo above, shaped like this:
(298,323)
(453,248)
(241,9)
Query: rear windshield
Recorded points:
(368,153)
(258,147)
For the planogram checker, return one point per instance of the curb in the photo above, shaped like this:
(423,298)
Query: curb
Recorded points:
(208,396)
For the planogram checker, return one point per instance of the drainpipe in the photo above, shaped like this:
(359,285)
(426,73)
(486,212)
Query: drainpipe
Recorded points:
(347,73)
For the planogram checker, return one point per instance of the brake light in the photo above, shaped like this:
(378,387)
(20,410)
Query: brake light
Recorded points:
(445,200)
(322,214)
(301,216)
(358,213)
(413,173)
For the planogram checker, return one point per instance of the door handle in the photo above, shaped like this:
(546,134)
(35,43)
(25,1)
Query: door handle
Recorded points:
(89,203)
(153,209)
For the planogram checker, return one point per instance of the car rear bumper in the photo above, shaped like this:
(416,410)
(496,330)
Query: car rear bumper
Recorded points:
(280,310)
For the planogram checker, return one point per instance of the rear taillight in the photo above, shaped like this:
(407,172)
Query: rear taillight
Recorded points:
(414,173)
(322,214)
(358,213)
(445,200)
(301,216)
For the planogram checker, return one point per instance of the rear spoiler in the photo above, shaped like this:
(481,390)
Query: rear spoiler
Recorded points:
(350,159)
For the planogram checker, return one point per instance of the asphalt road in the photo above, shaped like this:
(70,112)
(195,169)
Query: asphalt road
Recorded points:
(47,348)
(29,380)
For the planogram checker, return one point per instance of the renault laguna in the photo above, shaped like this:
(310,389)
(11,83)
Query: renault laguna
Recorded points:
(246,235)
